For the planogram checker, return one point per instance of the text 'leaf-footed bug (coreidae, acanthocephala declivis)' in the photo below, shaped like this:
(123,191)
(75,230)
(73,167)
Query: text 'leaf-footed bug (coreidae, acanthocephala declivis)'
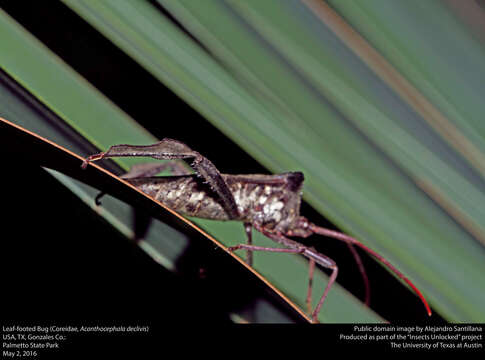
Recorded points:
(269,203)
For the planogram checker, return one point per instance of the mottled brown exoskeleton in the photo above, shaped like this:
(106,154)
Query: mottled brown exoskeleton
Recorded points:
(269,203)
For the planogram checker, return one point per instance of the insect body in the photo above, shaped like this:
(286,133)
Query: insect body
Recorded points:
(272,201)
(269,203)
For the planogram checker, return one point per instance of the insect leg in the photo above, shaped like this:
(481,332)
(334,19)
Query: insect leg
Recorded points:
(304,229)
(314,257)
(363,273)
(311,271)
(169,149)
(328,263)
(350,240)
(264,248)
(248,229)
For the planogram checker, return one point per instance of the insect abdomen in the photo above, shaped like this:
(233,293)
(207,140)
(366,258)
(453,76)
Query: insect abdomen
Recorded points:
(266,199)
(184,194)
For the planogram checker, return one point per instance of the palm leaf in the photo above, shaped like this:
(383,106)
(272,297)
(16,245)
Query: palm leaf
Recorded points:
(372,101)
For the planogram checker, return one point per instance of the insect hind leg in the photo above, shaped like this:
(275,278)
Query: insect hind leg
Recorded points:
(169,149)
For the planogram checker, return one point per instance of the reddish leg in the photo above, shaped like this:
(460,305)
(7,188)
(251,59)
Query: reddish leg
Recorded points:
(325,261)
(351,241)
(361,267)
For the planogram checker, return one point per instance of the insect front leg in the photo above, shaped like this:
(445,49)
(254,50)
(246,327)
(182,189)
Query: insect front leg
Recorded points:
(169,149)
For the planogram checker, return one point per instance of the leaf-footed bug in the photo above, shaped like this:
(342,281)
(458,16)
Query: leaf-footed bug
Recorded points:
(269,203)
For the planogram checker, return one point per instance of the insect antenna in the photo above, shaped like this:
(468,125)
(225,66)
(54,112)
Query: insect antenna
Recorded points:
(351,241)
